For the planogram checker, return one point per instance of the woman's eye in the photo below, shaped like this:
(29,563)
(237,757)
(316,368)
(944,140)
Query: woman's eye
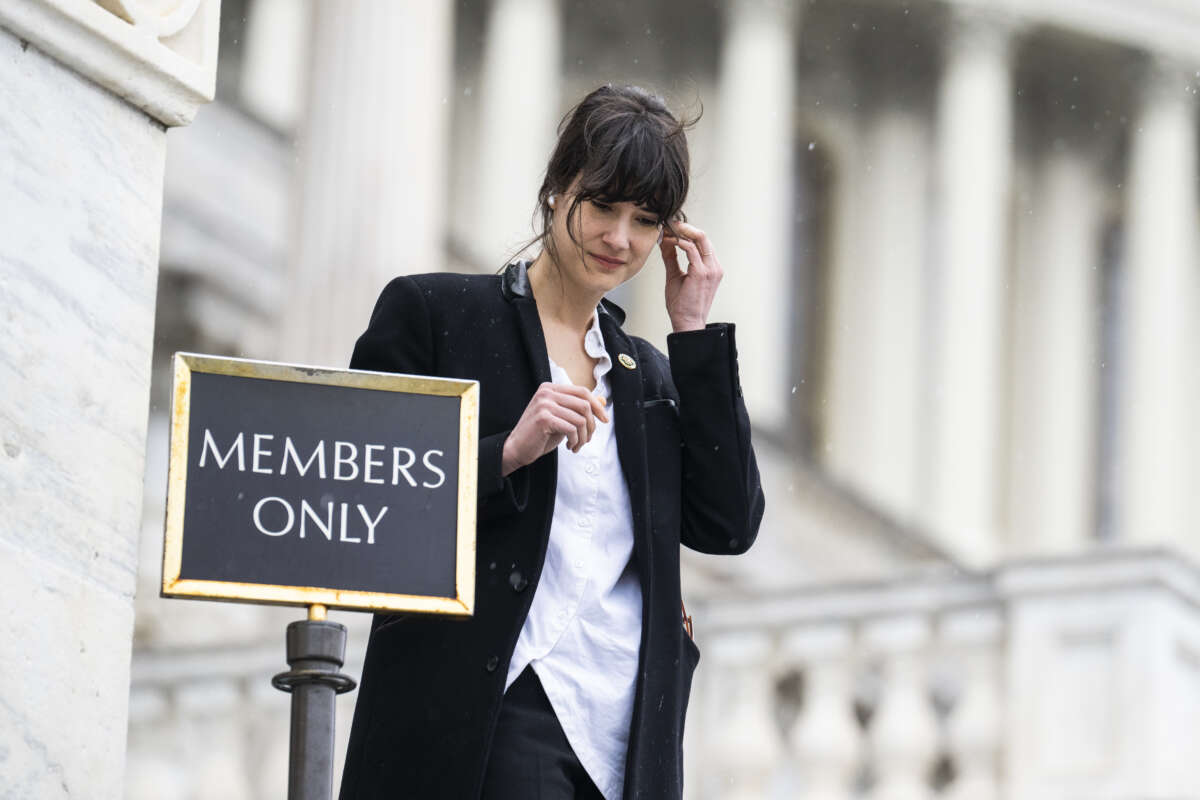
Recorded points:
(601,206)
(649,222)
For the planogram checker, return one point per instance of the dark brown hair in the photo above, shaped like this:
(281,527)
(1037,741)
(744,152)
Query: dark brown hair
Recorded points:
(623,144)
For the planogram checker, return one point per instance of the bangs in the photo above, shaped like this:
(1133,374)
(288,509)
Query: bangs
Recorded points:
(636,158)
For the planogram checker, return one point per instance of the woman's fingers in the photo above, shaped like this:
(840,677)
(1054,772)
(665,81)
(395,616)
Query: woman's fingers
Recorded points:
(670,257)
(690,294)
(565,420)
(695,259)
(598,407)
(595,404)
(554,414)
(699,237)
(555,429)
(581,408)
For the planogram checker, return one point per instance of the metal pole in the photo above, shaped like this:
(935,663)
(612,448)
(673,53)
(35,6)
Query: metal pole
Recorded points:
(316,650)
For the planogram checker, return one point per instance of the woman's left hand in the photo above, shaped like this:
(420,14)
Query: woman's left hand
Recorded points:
(690,294)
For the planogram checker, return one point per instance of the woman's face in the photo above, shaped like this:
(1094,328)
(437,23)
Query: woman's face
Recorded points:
(612,241)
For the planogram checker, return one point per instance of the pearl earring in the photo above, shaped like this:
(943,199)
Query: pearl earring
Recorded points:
(550,201)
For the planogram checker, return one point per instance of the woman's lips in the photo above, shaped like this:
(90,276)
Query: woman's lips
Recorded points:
(608,262)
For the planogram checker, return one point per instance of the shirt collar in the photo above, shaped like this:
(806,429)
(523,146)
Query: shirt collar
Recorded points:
(593,343)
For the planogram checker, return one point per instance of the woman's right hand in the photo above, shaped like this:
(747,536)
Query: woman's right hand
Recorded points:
(556,412)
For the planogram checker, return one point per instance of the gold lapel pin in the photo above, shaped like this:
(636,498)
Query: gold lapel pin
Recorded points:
(626,361)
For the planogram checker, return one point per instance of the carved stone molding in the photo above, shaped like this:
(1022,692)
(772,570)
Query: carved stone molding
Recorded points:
(161,17)
(159,55)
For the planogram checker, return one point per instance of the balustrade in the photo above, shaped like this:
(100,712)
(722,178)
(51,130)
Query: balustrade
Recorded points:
(1037,680)
(826,740)
(973,734)
(898,696)
(748,747)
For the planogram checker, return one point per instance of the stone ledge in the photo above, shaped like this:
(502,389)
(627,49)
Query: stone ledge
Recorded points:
(168,72)
(942,590)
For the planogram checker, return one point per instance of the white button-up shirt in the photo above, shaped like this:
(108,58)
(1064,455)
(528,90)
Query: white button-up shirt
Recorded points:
(584,628)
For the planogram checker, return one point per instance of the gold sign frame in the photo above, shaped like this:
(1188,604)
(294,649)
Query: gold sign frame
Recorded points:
(462,604)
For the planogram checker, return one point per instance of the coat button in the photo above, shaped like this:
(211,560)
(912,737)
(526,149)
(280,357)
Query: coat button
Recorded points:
(492,663)
(517,581)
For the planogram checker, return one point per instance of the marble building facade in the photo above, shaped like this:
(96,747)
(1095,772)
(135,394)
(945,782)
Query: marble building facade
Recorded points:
(962,250)
(87,93)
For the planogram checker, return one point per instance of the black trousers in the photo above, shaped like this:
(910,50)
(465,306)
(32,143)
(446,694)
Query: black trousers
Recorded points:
(531,758)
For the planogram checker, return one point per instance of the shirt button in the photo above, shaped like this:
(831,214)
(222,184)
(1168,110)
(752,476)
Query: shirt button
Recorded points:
(578,565)
(590,469)
(492,663)
(584,522)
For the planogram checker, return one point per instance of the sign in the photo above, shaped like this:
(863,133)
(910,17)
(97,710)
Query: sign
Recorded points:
(301,485)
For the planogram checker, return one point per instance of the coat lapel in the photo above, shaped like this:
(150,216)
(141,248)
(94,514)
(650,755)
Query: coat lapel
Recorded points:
(626,384)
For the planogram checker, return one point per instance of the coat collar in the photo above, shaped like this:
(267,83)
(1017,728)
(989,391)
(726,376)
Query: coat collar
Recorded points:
(515,283)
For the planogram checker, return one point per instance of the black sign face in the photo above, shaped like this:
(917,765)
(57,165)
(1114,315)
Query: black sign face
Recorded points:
(347,489)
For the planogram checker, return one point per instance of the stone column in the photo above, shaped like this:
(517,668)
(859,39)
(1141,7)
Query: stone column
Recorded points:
(877,313)
(372,177)
(974,140)
(1056,294)
(86,92)
(519,109)
(1159,354)
(752,213)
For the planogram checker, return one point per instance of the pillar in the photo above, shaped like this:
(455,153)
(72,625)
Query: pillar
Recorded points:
(1159,354)
(520,106)
(1055,378)
(974,142)
(86,94)
(372,177)
(752,216)
(878,305)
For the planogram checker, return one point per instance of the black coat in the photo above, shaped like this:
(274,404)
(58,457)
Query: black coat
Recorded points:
(432,687)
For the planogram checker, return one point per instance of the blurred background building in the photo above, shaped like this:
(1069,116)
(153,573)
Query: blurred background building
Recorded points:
(961,248)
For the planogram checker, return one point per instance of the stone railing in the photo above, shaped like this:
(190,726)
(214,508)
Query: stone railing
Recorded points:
(1071,678)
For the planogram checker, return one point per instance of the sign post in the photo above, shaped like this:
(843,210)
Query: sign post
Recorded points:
(316,649)
(320,488)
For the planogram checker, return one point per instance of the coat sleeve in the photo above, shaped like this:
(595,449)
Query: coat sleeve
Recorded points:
(722,502)
(399,338)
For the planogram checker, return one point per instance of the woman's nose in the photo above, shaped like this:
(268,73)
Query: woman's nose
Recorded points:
(617,235)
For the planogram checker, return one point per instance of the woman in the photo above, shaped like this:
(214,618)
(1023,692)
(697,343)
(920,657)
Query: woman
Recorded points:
(598,457)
